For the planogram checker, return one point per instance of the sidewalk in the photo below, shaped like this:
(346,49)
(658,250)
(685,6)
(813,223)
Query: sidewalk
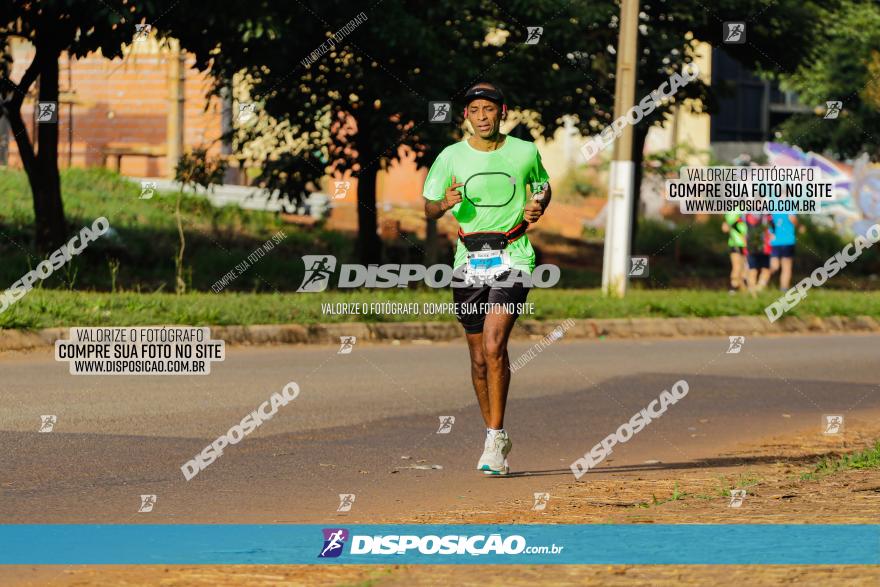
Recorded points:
(391,332)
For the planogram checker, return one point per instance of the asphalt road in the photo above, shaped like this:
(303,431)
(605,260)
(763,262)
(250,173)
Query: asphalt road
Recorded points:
(365,421)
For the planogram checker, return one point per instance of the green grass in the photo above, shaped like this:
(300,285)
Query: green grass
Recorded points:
(42,308)
(676,496)
(145,241)
(865,459)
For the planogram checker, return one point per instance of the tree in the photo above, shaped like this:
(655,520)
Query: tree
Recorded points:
(383,72)
(842,65)
(350,103)
(77,27)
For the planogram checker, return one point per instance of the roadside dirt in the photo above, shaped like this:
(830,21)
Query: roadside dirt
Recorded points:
(770,471)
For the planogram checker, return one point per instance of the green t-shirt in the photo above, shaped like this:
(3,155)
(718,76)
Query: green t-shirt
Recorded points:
(737,237)
(494,192)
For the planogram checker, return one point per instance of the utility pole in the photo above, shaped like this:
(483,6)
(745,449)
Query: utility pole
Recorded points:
(616,259)
(227,129)
(176,100)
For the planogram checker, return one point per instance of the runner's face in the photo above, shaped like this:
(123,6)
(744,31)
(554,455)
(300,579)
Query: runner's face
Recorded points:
(485,117)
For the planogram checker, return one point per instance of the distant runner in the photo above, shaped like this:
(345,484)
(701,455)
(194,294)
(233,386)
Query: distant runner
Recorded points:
(782,248)
(484,181)
(758,237)
(735,227)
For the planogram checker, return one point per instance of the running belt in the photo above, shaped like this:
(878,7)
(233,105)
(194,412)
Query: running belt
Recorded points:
(480,241)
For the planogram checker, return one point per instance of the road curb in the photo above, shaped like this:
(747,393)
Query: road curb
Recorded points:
(623,328)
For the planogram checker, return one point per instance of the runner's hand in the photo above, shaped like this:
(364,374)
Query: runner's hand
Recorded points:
(453,196)
(533,211)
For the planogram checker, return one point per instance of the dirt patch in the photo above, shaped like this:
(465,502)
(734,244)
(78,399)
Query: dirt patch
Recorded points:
(482,576)
(770,472)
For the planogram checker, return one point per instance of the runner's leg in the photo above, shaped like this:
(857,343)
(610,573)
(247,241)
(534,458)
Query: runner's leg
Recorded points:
(774,265)
(469,301)
(496,331)
(478,373)
(752,276)
(785,275)
(734,271)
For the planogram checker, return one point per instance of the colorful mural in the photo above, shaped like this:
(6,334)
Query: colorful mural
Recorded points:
(857,187)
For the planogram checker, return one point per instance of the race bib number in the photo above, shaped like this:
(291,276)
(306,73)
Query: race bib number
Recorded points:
(486,265)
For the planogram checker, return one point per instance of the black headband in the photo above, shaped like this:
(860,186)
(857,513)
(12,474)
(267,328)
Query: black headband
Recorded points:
(483,93)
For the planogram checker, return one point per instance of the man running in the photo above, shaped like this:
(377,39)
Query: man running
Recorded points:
(484,181)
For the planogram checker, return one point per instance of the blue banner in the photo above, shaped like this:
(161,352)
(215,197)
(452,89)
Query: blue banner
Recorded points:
(171,544)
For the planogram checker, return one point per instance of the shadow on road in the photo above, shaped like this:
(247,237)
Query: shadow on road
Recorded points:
(700,464)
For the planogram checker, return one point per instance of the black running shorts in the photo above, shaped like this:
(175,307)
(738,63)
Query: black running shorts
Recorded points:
(473,303)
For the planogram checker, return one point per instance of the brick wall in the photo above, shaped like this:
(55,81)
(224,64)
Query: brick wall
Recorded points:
(123,100)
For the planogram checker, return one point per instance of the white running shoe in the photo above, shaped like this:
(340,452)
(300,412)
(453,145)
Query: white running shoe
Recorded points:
(495,451)
(488,449)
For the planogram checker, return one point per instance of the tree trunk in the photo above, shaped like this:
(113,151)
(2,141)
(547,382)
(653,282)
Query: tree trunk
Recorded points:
(51,227)
(368,243)
(4,141)
(638,157)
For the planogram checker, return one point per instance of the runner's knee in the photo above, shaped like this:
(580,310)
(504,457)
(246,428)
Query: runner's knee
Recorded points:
(494,350)
(478,366)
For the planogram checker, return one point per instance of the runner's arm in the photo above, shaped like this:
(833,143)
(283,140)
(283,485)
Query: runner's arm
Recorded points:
(548,194)
(434,209)
(535,208)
